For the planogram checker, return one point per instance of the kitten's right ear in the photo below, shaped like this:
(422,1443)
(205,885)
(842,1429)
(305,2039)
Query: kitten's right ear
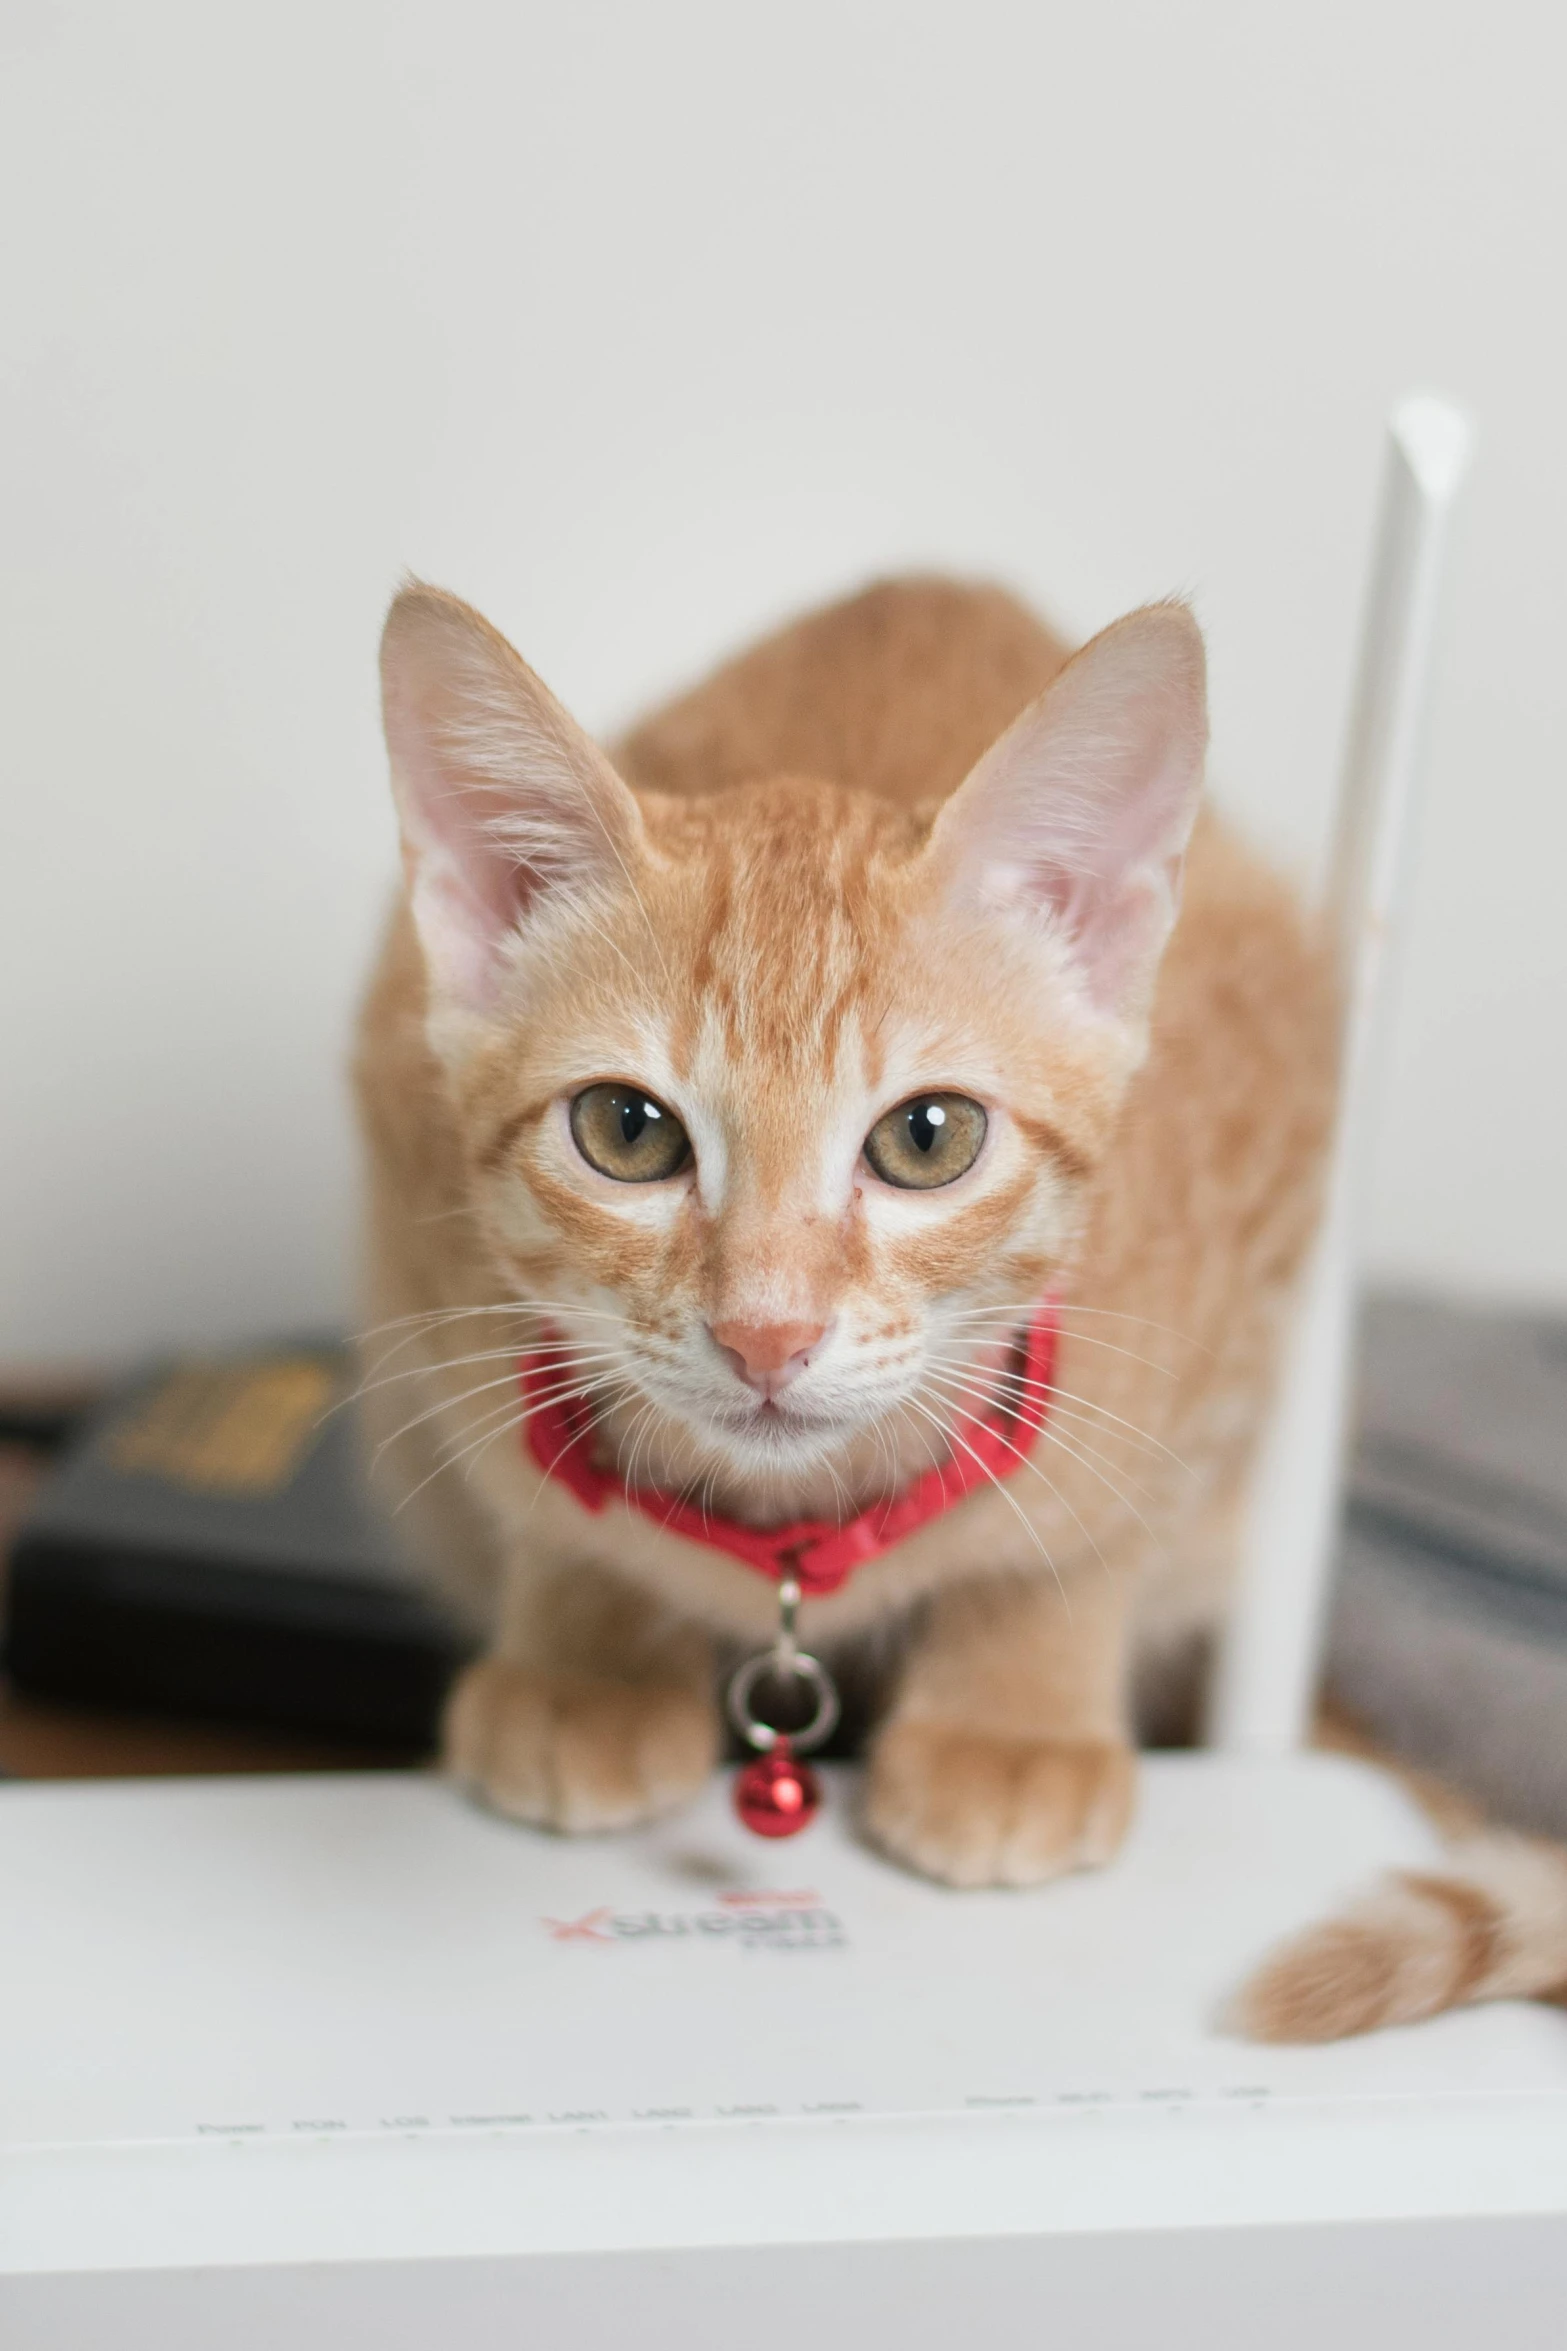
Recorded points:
(503,800)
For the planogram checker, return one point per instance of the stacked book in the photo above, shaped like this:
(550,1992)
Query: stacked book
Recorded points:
(207,1544)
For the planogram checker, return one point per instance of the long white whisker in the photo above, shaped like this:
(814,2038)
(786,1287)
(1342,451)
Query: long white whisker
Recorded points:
(1054,1437)
(451,1448)
(1025,1461)
(1026,1308)
(595,1387)
(477,1452)
(1009,1389)
(566,1371)
(431,1317)
(1078,1338)
(423,1371)
(429,1322)
(641,1427)
(1069,1449)
(1071,1396)
(595,1420)
(450,1460)
(937,1457)
(473,1452)
(972,1388)
(844,1512)
(952,1436)
(443,1404)
(446,1404)
(1087,1339)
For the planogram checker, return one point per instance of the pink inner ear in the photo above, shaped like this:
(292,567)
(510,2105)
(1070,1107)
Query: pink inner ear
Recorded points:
(460,936)
(502,798)
(1082,811)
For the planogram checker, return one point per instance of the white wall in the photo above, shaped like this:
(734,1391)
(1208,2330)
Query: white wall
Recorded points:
(639,325)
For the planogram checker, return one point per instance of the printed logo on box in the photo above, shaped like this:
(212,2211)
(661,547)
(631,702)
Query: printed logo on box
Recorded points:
(755,1920)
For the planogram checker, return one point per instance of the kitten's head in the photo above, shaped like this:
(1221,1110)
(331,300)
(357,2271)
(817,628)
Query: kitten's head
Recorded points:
(785,1098)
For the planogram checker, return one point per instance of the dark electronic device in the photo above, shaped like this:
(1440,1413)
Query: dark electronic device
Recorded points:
(206,1544)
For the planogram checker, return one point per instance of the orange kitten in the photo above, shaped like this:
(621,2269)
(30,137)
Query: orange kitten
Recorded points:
(766,1076)
(903,853)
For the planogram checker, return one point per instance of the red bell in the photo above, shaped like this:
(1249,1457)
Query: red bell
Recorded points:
(777,1795)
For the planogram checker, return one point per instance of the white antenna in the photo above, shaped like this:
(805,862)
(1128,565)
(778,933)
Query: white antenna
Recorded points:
(1267,1671)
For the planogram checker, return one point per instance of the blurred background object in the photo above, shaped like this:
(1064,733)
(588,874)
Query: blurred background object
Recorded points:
(639,328)
(193,1578)
(1448,1638)
(206,1546)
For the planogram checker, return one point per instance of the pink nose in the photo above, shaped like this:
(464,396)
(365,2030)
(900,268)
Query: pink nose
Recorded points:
(768,1355)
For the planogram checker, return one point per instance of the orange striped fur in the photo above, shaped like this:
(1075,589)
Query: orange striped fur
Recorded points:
(1490,1925)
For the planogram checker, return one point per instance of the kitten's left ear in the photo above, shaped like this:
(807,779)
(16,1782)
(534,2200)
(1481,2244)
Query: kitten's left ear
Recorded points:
(1078,818)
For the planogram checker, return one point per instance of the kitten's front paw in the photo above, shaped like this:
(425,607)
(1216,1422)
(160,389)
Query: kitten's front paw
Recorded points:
(973,1810)
(569,1752)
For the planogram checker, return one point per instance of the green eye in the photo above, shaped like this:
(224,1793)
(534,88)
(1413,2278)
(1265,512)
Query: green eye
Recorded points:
(929,1140)
(624,1133)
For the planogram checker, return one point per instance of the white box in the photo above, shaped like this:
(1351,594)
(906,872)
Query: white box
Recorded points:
(343,2060)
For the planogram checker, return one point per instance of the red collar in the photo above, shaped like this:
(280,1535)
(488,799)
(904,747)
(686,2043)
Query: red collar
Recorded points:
(820,1554)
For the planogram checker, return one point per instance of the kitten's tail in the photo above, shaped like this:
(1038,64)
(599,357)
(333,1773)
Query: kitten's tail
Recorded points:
(1491,1925)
